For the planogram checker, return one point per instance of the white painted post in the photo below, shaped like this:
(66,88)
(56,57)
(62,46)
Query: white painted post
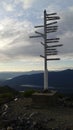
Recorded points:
(45,59)
(45,79)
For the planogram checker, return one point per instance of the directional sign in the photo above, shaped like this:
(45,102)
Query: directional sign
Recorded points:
(48,27)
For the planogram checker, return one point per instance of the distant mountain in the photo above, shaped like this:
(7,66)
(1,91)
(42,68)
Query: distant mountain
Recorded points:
(56,79)
(10,75)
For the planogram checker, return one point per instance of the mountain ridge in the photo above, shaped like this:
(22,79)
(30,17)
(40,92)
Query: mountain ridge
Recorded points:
(57,79)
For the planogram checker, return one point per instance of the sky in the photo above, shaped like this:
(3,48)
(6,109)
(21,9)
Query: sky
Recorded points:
(17,20)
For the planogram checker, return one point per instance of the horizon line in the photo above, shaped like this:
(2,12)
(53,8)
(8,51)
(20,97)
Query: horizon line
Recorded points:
(33,71)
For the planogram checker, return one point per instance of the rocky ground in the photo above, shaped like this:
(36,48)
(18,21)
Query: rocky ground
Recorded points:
(22,114)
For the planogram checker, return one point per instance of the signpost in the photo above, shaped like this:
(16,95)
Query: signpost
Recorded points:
(48,49)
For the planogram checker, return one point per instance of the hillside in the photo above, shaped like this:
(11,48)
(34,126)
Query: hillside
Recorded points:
(7,94)
(57,79)
(10,75)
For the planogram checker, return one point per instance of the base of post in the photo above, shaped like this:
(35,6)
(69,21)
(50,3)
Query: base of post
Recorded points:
(46,91)
(44,99)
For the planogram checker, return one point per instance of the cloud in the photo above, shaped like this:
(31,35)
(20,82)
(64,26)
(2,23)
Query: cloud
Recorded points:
(66,32)
(16,44)
(14,40)
(26,4)
(53,8)
(7,6)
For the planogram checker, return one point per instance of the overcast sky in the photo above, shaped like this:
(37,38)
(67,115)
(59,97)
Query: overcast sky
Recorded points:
(17,20)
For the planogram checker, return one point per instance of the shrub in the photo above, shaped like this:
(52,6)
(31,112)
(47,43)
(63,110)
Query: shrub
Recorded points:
(6,95)
(28,93)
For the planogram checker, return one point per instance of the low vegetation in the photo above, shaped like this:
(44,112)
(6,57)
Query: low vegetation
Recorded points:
(28,93)
(7,94)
